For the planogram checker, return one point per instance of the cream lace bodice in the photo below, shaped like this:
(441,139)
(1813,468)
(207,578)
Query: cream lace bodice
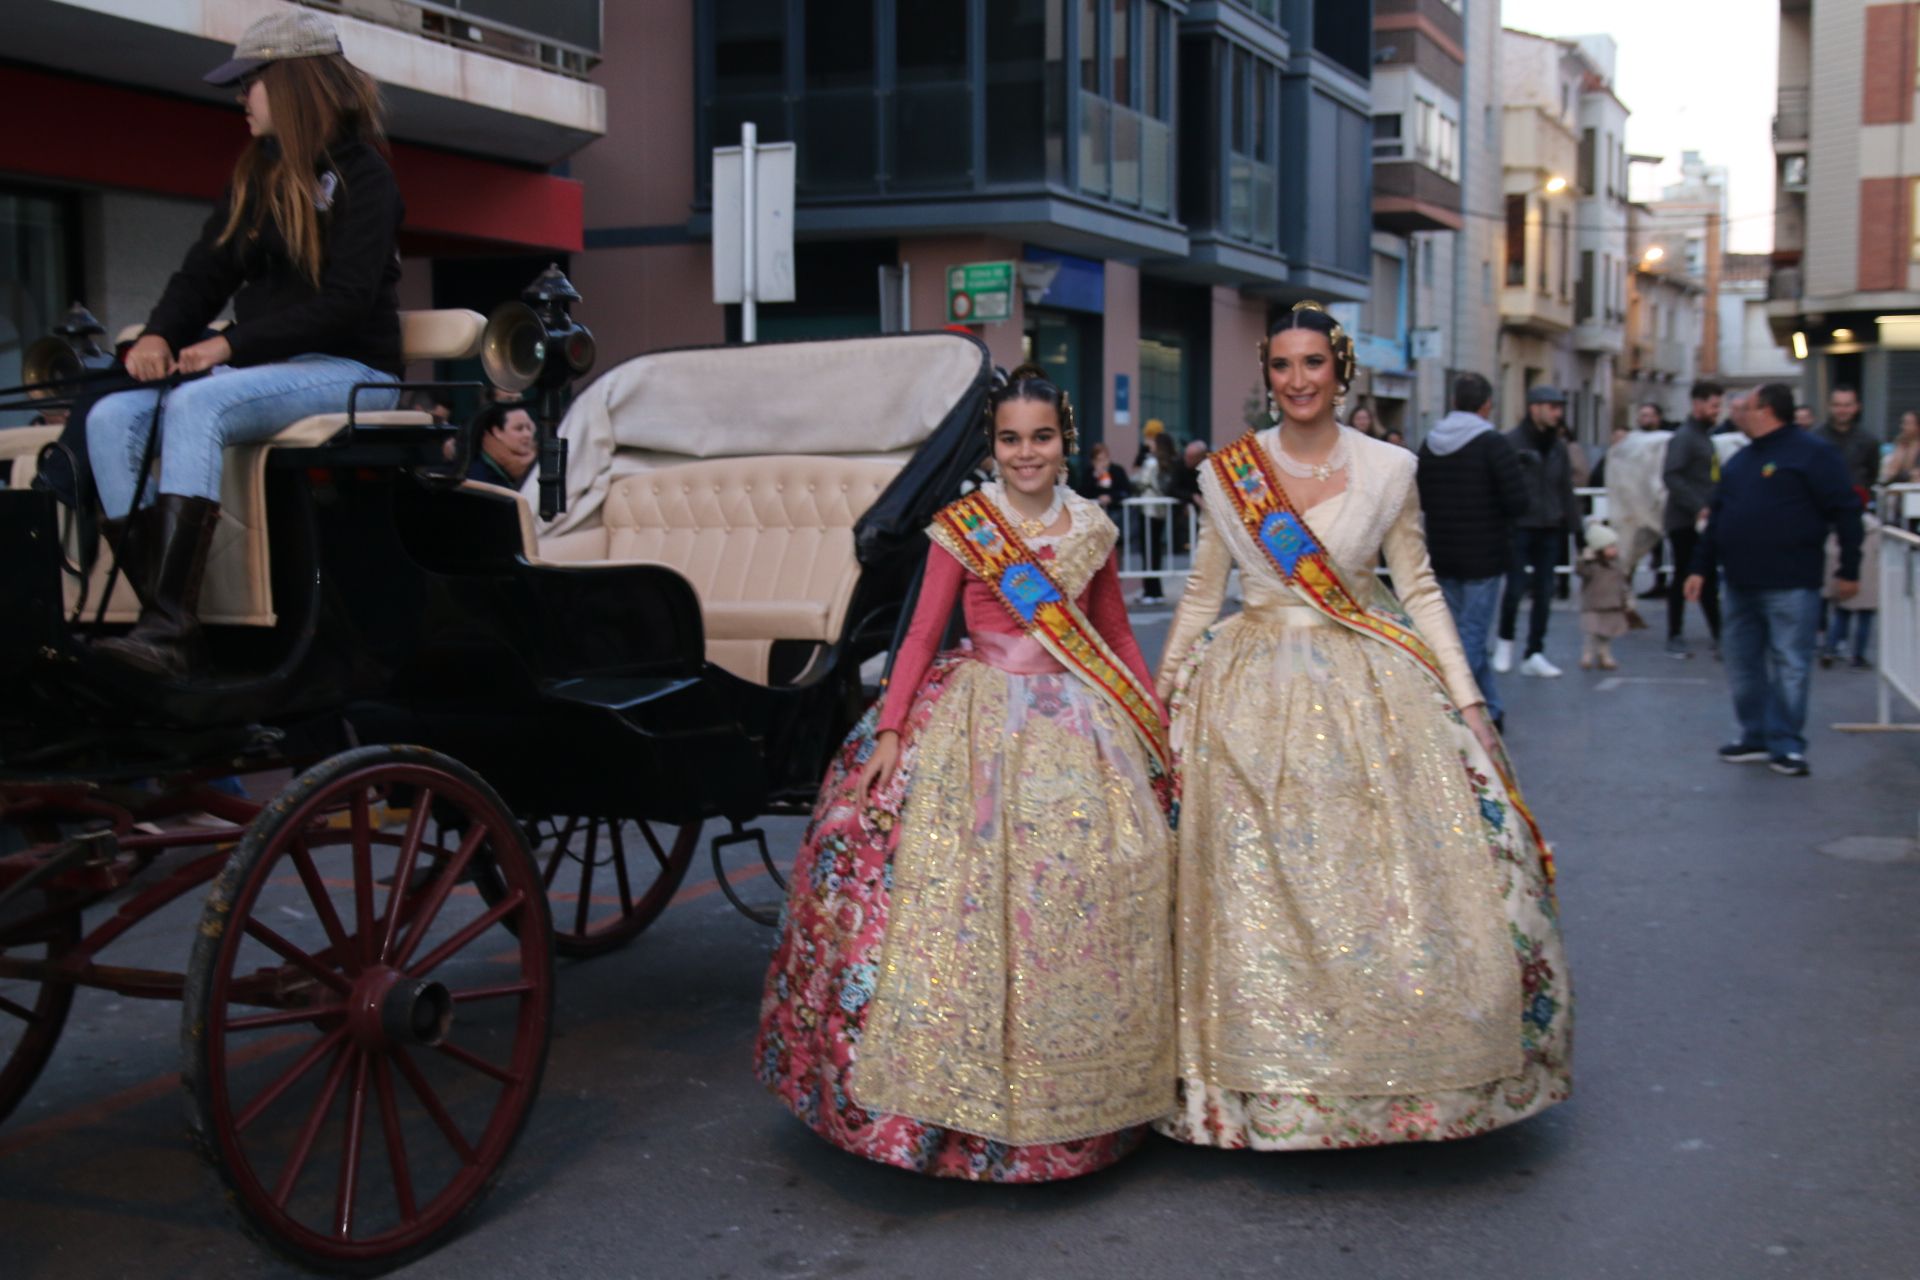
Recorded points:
(1378,513)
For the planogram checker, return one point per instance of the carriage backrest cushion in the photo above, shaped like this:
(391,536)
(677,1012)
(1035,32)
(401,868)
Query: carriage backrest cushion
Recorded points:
(845,397)
(451,334)
(767,543)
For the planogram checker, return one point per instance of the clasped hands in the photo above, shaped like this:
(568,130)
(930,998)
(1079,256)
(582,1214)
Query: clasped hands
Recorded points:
(150,359)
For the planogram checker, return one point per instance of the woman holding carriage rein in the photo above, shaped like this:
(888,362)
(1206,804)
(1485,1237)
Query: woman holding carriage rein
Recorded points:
(303,243)
(974,973)
(1366,940)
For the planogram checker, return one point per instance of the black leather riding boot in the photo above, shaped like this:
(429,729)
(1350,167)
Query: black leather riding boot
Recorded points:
(132,540)
(166,641)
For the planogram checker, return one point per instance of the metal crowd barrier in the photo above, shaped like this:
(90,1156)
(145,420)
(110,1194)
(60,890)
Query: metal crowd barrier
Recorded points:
(1156,542)
(1898,627)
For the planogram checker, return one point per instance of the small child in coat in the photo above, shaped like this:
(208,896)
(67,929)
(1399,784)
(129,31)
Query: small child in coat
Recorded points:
(1605,598)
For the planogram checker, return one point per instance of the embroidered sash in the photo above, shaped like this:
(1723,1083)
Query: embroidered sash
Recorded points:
(973,529)
(1261,506)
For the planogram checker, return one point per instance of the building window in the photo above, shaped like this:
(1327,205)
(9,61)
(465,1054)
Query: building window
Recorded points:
(1253,205)
(1382,314)
(1026,98)
(1566,254)
(39,236)
(1516,241)
(1387,142)
(932,99)
(838,123)
(749,72)
(1588,148)
(1126,140)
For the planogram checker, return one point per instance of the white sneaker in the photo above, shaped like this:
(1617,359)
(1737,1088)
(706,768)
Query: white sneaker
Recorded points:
(1503,656)
(1537,665)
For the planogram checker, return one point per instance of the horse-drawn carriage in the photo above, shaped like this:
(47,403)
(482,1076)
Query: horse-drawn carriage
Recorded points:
(465,742)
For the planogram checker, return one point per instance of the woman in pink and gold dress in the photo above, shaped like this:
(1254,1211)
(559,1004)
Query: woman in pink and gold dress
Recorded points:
(973,977)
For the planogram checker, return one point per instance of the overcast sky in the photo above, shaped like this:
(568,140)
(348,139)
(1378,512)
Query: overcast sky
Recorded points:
(1697,76)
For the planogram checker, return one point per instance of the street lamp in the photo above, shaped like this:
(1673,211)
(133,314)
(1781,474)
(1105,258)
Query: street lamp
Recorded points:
(1653,254)
(1555,185)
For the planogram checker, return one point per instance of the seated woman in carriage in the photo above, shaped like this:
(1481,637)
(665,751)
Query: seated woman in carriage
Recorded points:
(973,976)
(303,244)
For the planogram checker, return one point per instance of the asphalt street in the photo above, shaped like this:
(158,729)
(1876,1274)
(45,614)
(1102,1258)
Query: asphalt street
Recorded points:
(1745,1071)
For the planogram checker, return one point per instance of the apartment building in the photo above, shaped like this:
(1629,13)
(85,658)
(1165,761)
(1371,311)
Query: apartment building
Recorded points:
(118,148)
(1541,81)
(1665,320)
(1160,174)
(1844,297)
(1601,242)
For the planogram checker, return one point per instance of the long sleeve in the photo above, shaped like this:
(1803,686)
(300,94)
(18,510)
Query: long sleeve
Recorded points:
(1199,604)
(1406,550)
(200,288)
(359,251)
(1833,490)
(1706,553)
(1107,610)
(939,591)
(1509,481)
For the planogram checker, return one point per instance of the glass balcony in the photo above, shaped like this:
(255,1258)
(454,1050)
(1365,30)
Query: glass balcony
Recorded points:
(1156,166)
(1096,148)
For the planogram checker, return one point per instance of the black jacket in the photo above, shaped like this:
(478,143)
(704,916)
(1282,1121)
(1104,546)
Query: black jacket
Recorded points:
(1859,449)
(1470,499)
(1778,499)
(1689,472)
(1089,488)
(1549,477)
(278,313)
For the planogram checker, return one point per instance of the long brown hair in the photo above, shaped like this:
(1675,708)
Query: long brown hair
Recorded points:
(315,103)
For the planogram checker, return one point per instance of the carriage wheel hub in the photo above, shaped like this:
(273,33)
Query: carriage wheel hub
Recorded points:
(390,1008)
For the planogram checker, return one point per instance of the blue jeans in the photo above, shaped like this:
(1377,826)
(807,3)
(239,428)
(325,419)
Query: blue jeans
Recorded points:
(1767,640)
(1859,622)
(203,417)
(1472,601)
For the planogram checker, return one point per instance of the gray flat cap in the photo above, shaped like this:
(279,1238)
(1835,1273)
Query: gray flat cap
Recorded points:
(290,33)
(1546,395)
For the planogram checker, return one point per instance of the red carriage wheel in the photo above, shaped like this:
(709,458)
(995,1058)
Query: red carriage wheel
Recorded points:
(608,879)
(36,932)
(365,1035)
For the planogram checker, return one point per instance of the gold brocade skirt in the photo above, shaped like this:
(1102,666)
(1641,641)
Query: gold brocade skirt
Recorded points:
(1025,990)
(1357,904)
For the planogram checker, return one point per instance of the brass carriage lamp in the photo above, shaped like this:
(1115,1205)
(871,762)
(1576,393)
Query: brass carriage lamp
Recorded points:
(65,355)
(536,344)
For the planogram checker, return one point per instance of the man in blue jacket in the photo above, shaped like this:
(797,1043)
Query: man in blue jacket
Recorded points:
(1767,530)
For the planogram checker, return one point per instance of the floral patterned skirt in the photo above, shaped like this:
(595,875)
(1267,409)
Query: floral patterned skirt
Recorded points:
(1034,883)
(1368,949)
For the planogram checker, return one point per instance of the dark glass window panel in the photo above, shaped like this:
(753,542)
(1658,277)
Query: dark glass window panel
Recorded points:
(1153,85)
(931,41)
(1265,83)
(1120,37)
(839,134)
(1516,240)
(1241,101)
(749,46)
(37,236)
(1024,116)
(1090,45)
(839,44)
(933,145)
(768,111)
(1343,31)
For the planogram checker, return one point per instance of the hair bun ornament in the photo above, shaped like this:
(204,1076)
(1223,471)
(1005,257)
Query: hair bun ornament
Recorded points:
(1027,372)
(1309,304)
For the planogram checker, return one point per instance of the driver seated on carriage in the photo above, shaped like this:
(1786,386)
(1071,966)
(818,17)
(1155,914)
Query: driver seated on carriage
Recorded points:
(303,244)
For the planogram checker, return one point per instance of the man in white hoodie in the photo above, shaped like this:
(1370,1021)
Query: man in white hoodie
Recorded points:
(1471,491)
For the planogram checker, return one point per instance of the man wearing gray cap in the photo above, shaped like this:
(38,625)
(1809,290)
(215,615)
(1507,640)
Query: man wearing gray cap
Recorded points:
(1540,535)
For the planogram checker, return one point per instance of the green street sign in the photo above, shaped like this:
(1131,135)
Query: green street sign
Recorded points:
(980,293)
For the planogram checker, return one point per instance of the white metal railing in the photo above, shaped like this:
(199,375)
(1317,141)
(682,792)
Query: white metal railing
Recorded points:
(1150,528)
(1898,624)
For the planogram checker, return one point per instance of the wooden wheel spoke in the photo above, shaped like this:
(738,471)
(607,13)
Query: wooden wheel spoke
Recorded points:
(396,1141)
(20,1011)
(362,826)
(431,1101)
(653,842)
(302,858)
(491,993)
(560,843)
(284,1018)
(620,866)
(437,896)
(477,1062)
(468,932)
(303,1148)
(585,900)
(403,871)
(295,956)
(271,1094)
(350,1152)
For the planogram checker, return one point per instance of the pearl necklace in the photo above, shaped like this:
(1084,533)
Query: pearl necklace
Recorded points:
(1336,460)
(1038,526)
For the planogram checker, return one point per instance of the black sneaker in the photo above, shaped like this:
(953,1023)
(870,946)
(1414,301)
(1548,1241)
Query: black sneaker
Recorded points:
(1741,753)
(1792,765)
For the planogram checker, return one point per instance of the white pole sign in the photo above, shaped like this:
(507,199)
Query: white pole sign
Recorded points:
(753,225)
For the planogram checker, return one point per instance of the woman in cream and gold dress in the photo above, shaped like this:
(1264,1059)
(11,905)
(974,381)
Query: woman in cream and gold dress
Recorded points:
(1367,942)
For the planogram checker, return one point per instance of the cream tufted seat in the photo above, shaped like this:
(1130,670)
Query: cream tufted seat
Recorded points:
(239,589)
(766,542)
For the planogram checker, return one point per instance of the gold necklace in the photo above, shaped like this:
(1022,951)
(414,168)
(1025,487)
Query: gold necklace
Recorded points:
(1037,526)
